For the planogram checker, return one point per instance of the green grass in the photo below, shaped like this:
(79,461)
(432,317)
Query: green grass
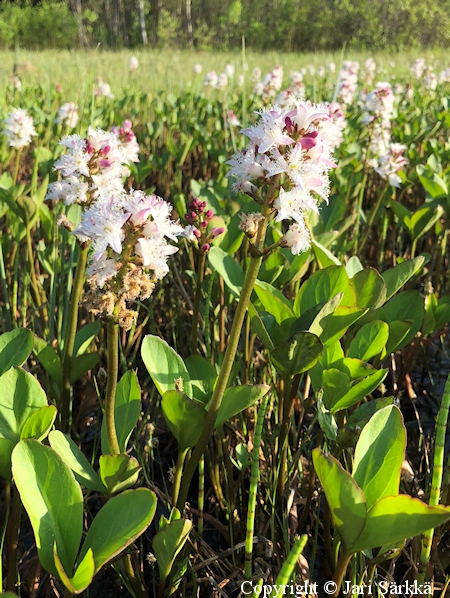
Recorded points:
(172,70)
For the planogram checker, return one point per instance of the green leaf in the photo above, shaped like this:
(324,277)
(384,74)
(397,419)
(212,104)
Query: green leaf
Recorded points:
(127,409)
(20,396)
(322,286)
(238,398)
(320,321)
(203,377)
(360,390)
(345,499)
(340,321)
(39,424)
(165,366)
(324,255)
(352,267)
(228,268)
(259,327)
(408,305)
(277,305)
(394,518)
(118,472)
(336,384)
(6,449)
(82,364)
(297,354)
(184,417)
(85,336)
(396,277)
(379,455)
(398,331)
(432,182)
(48,358)
(83,575)
(354,368)
(168,542)
(53,501)
(422,220)
(15,347)
(118,523)
(370,288)
(327,422)
(72,456)
(369,340)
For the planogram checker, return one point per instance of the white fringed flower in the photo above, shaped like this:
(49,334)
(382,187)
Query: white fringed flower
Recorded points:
(19,128)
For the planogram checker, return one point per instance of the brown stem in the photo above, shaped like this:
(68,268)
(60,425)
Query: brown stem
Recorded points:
(12,538)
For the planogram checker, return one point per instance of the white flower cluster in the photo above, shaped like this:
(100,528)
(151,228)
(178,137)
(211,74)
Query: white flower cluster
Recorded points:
(430,79)
(19,128)
(133,64)
(103,89)
(444,76)
(386,157)
(348,82)
(336,126)
(288,149)
(127,141)
(391,163)
(212,79)
(67,115)
(370,66)
(296,89)
(269,87)
(128,232)
(418,67)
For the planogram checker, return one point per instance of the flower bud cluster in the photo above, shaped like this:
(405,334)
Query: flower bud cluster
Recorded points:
(197,231)
(19,128)
(288,151)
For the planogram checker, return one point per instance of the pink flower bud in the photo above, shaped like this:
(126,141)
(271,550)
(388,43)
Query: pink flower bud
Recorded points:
(206,247)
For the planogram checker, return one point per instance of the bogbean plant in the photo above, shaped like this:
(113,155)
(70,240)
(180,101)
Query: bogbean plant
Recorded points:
(324,328)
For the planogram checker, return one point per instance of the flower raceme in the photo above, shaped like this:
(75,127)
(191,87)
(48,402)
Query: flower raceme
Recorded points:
(127,232)
(290,149)
(19,128)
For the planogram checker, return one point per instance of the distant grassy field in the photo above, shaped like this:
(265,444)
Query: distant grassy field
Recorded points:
(172,70)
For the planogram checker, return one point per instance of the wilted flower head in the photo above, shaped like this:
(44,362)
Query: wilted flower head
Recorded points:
(67,115)
(249,223)
(19,128)
(133,64)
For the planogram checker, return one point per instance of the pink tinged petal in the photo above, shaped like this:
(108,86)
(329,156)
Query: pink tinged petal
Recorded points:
(307,143)
(140,217)
(104,163)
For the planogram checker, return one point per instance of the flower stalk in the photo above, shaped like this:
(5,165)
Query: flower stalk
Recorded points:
(69,343)
(222,381)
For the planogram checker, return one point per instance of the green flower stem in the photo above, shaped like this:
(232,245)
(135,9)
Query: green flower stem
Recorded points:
(34,281)
(436,482)
(16,166)
(178,475)
(5,291)
(198,295)
(222,381)
(254,477)
(340,571)
(71,331)
(112,344)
